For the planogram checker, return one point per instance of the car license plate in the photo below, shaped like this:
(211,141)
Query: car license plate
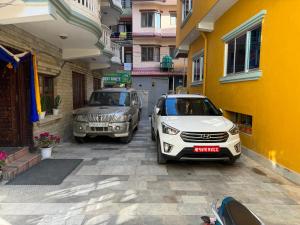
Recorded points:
(206,149)
(98,124)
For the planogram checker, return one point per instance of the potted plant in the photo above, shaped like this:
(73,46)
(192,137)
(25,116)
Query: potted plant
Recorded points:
(57,102)
(45,142)
(43,108)
(3,157)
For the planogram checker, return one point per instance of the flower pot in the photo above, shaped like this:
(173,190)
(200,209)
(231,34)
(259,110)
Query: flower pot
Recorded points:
(42,115)
(46,152)
(55,112)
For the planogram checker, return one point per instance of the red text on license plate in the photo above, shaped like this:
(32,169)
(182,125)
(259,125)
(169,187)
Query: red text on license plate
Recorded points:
(206,148)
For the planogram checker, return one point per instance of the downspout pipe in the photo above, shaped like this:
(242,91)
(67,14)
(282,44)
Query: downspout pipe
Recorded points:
(205,62)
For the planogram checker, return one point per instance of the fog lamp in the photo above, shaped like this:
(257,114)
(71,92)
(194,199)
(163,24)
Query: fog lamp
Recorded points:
(167,147)
(238,147)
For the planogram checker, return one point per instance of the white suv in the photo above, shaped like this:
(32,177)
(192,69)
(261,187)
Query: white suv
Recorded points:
(189,126)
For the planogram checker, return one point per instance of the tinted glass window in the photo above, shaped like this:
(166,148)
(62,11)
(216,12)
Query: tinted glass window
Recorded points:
(190,107)
(110,99)
(230,57)
(240,54)
(255,48)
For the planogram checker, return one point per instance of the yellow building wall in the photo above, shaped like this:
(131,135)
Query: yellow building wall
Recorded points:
(274,99)
(195,48)
(200,7)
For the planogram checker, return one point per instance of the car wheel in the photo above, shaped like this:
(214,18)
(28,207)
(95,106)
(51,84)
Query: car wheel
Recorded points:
(230,162)
(152,134)
(160,157)
(128,139)
(137,126)
(80,140)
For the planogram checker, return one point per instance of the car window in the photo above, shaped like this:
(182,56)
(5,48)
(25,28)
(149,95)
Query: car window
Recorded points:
(190,107)
(110,99)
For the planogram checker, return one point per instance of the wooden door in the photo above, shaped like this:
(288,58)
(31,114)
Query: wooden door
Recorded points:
(79,91)
(15,125)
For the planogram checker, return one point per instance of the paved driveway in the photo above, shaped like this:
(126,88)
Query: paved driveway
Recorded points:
(122,184)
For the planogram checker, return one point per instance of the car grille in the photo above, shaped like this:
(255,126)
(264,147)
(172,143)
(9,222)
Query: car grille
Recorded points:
(100,117)
(204,137)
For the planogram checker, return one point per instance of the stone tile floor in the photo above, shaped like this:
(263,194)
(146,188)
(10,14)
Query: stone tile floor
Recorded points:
(123,184)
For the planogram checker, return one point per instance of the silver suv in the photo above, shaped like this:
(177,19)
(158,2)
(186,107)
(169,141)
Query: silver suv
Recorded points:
(113,112)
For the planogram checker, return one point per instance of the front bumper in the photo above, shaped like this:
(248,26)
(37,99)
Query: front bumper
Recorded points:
(181,150)
(82,129)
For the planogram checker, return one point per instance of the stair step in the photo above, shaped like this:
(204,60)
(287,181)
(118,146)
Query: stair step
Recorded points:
(19,153)
(12,169)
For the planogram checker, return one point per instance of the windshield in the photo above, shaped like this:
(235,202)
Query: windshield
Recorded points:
(110,99)
(190,107)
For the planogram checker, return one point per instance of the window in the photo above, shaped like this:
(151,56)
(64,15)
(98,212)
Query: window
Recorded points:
(151,19)
(187,6)
(243,121)
(198,67)
(173,18)
(47,91)
(190,107)
(172,51)
(243,52)
(150,53)
(148,19)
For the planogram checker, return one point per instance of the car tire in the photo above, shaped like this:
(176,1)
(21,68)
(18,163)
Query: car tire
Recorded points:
(128,139)
(152,134)
(161,159)
(231,161)
(80,140)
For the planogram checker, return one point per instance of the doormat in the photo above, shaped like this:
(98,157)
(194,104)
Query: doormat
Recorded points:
(47,172)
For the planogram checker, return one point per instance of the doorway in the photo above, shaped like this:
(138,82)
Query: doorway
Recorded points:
(15,125)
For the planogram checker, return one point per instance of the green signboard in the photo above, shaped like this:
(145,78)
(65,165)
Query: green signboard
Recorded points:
(123,77)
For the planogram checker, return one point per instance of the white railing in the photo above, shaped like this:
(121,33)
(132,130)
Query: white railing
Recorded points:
(105,38)
(116,49)
(88,8)
(118,3)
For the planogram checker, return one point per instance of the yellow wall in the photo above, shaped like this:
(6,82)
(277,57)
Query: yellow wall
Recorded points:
(200,7)
(273,100)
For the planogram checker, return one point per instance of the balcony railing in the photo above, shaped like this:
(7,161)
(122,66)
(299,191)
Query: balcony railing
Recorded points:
(117,3)
(105,38)
(88,8)
(122,35)
(116,49)
(108,44)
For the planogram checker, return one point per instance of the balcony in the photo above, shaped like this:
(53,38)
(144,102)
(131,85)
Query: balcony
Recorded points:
(111,11)
(121,36)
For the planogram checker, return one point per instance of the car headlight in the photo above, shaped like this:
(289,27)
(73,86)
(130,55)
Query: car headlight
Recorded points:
(81,118)
(234,130)
(121,118)
(169,130)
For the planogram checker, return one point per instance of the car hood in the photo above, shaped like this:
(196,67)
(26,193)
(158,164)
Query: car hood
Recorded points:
(198,123)
(102,110)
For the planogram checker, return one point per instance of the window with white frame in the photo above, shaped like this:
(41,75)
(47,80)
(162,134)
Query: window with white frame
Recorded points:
(198,67)
(243,52)
(150,54)
(187,6)
(151,19)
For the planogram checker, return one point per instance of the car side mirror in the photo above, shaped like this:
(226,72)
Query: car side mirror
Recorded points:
(157,111)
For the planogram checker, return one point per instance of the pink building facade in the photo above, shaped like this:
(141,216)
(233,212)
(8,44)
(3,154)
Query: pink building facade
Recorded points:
(154,37)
